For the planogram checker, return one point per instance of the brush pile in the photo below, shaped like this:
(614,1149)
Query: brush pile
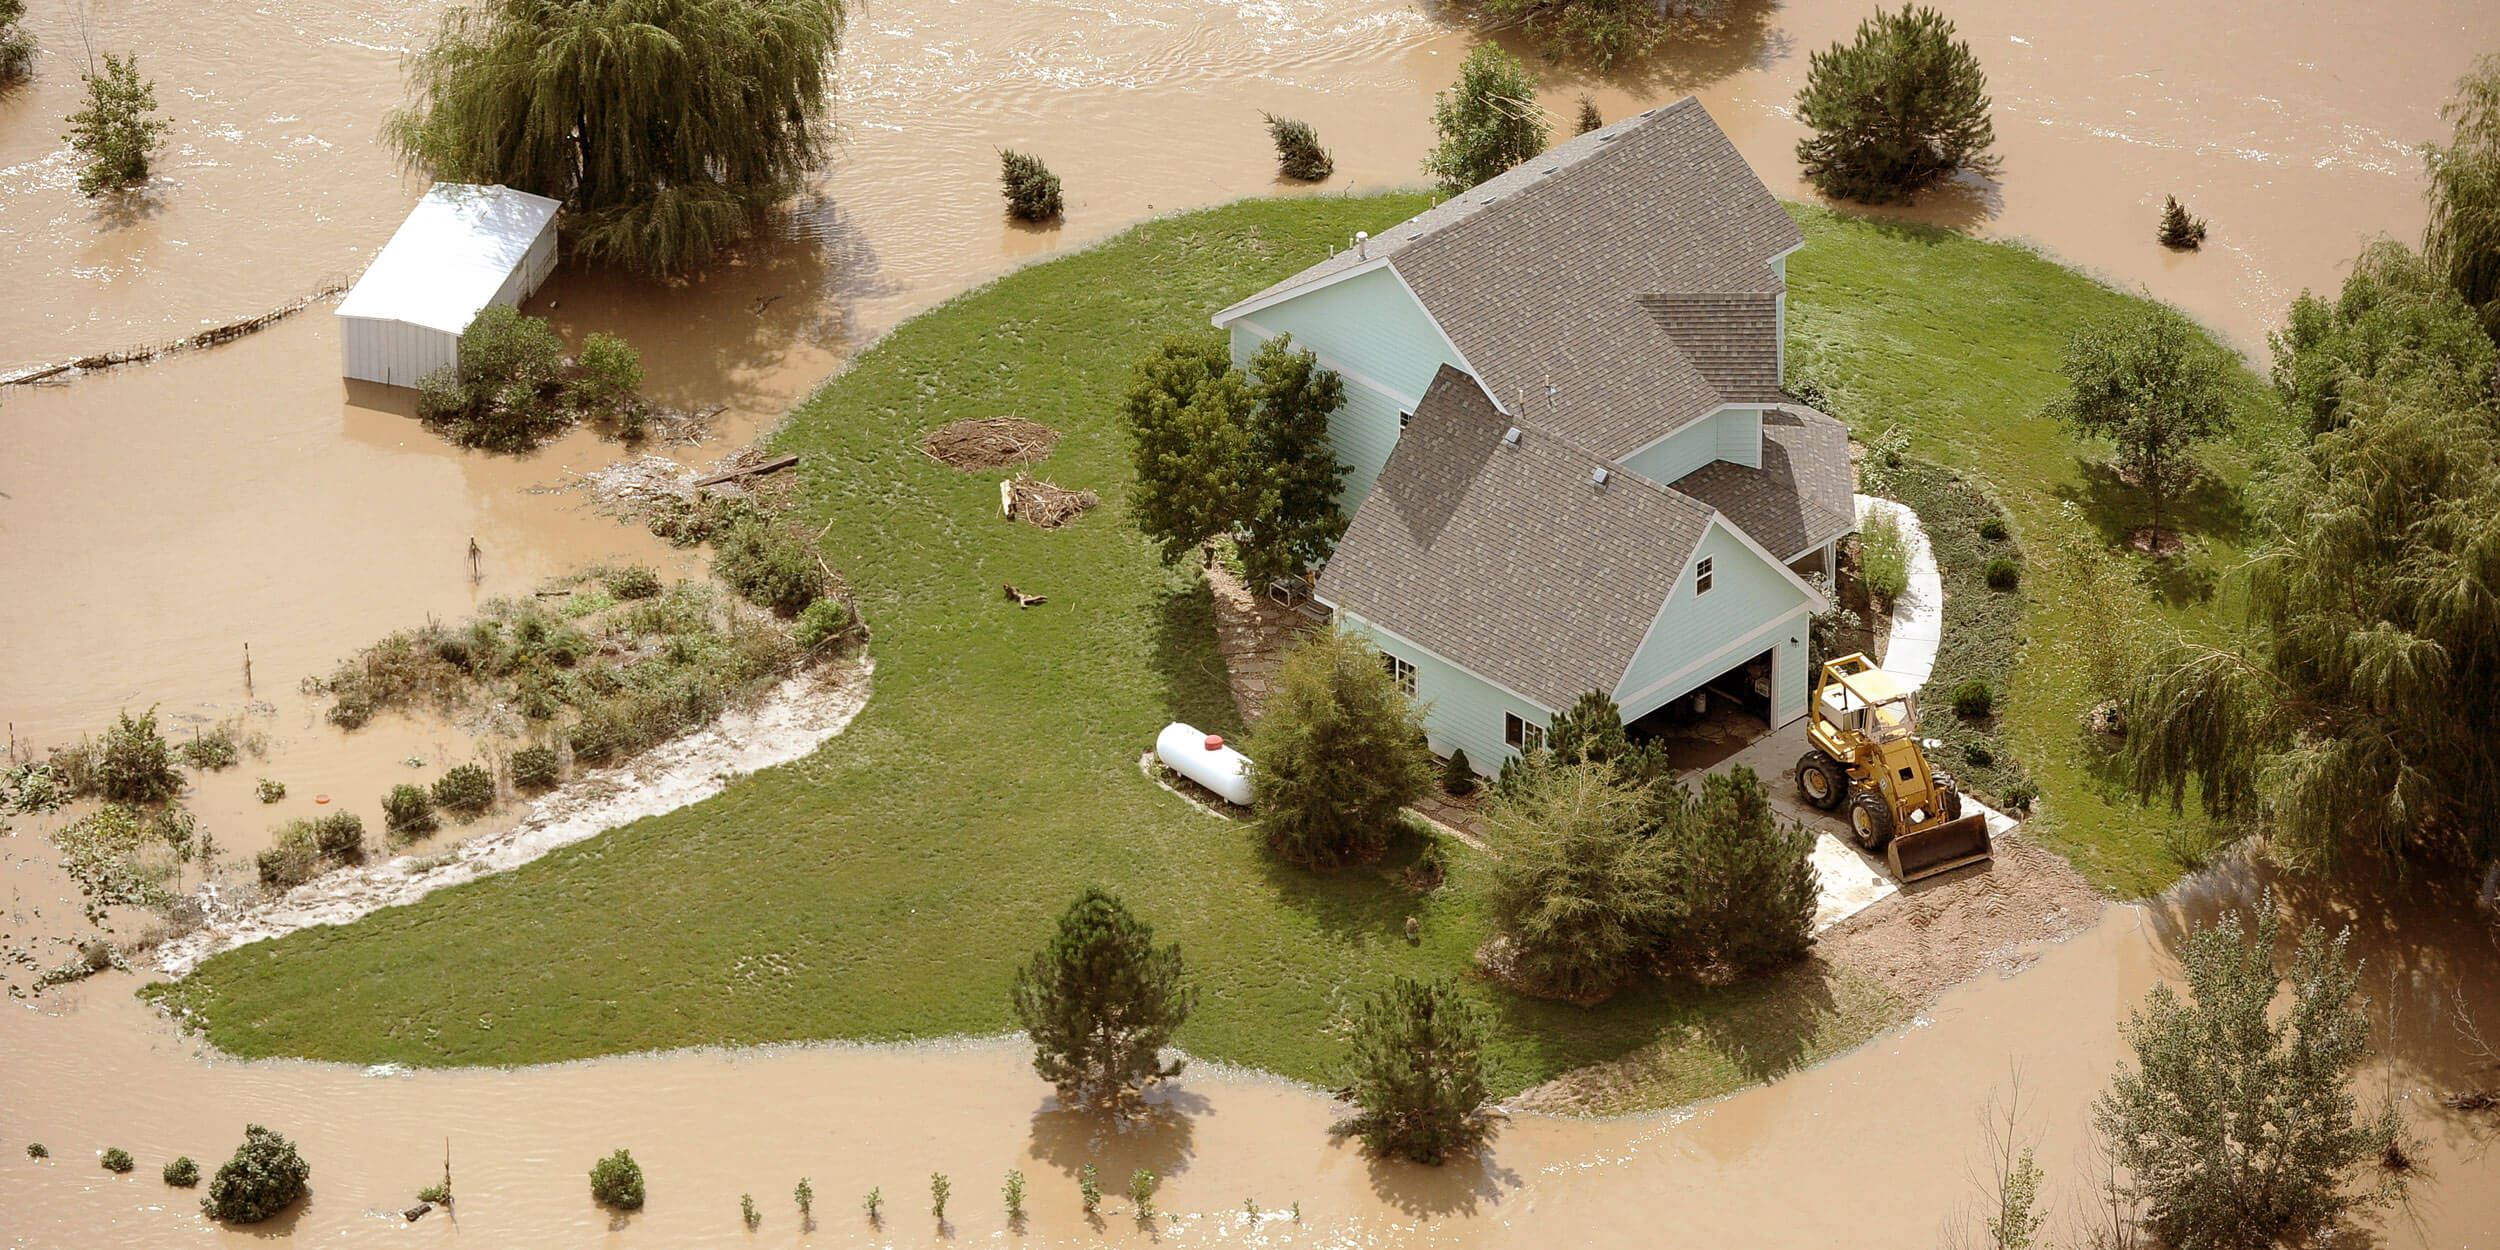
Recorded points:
(989,443)
(1046,504)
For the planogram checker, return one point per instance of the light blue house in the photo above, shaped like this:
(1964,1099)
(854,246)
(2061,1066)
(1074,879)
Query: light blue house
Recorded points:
(1573,469)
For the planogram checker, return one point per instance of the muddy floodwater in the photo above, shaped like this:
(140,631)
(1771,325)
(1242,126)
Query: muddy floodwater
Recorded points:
(156,520)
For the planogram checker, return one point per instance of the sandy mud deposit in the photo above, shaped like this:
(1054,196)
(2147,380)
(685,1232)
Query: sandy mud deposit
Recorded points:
(799,715)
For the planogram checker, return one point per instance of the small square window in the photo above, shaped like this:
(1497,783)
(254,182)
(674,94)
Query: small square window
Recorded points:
(1522,734)
(1402,671)
(1701,576)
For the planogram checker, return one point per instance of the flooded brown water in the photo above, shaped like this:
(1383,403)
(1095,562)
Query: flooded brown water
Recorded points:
(154,520)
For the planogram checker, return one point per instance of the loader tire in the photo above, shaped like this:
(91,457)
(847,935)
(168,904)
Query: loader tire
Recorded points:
(1870,822)
(1820,781)
(1949,804)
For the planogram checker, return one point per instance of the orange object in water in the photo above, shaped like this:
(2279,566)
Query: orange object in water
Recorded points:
(321,798)
(1215,742)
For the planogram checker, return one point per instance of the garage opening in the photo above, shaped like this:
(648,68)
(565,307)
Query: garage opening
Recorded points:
(1715,719)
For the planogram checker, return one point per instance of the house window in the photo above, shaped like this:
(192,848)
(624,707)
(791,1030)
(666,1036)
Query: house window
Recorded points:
(1701,577)
(1522,734)
(1400,670)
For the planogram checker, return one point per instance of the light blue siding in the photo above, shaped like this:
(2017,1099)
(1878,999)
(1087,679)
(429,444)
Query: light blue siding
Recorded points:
(1463,712)
(1372,332)
(1750,608)
(1728,434)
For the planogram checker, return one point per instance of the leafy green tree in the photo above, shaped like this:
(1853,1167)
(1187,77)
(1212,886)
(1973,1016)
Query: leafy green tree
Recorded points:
(1488,121)
(1899,109)
(1417,1077)
(1581,889)
(2462,240)
(1297,521)
(2152,383)
(1189,413)
(134,764)
(502,393)
(17,48)
(1339,752)
(119,131)
(1743,880)
(2237,1128)
(1101,1002)
(666,126)
(2396,317)
(264,1177)
(616,1181)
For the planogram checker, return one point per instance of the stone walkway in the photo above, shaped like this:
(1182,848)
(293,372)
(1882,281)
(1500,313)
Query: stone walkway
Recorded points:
(1252,634)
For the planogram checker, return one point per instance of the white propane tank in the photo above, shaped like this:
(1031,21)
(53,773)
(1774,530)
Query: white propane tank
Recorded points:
(1203,758)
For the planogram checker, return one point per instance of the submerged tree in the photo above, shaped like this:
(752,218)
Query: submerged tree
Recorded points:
(1298,153)
(2150,382)
(1339,751)
(1902,107)
(119,131)
(1602,32)
(2462,240)
(2179,231)
(1590,119)
(1032,191)
(264,1177)
(1417,1074)
(17,48)
(1488,120)
(2236,1128)
(666,126)
(1101,1002)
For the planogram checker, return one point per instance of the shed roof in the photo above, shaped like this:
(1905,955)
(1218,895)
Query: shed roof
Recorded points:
(447,261)
(1506,558)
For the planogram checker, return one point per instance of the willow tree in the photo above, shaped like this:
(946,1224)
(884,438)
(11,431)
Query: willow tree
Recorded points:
(2462,238)
(2362,711)
(665,126)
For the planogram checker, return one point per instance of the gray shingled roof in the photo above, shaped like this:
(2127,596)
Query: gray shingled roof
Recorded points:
(1732,340)
(1799,499)
(1549,274)
(1507,559)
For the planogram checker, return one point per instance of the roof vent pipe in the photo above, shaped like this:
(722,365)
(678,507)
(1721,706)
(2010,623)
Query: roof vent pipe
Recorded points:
(1361,244)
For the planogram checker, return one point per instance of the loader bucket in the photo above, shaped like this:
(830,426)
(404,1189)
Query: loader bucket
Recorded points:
(1939,848)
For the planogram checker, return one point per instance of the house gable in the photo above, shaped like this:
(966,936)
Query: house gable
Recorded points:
(1698,635)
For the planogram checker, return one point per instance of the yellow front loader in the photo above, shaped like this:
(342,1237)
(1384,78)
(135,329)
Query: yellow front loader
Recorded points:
(1866,756)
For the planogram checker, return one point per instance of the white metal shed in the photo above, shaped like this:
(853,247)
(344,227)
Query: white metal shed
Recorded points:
(463,247)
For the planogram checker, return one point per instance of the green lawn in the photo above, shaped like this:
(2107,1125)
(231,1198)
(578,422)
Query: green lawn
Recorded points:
(885,887)
(1957,342)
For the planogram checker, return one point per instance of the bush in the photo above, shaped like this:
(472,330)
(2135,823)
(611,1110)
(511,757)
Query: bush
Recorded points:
(1488,120)
(286,865)
(2003,574)
(1458,777)
(1338,754)
(939,1188)
(212,750)
(1884,556)
(407,811)
(2180,232)
(182,1173)
(1973,700)
(2021,795)
(1100,1002)
(134,765)
(340,836)
(1900,109)
(1993,529)
(502,394)
(118,131)
(1978,755)
(1417,1075)
(616,1181)
(820,623)
(467,789)
(269,790)
(1298,153)
(1032,191)
(117,1160)
(605,379)
(264,1177)
(1589,119)
(534,769)
(633,581)
(769,566)
(37,1150)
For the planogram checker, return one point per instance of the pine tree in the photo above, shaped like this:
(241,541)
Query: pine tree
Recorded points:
(1581,889)
(1743,880)
(1032,191)
(1458,777)
(1488,120)
(1101,1003)
(2180,232)
(1189,413)
(667,127)
(1896,111)
(2151,382)
(2462,238)
(118,131)
(2236,1129)
(1296,522)
(1339,752)
(1298,153)
(1417,1074)
(1589,117)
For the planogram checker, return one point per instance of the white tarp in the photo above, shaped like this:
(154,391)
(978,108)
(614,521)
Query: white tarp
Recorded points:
(463,247)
